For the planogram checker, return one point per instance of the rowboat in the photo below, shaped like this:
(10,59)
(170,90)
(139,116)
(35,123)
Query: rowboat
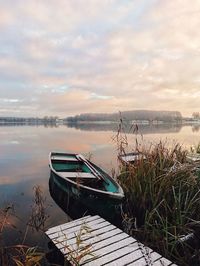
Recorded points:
(77,205)
(82,178)
(193,158)
(131,157)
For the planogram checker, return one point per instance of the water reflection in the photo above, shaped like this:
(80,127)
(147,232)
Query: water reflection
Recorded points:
(80,204)
(143,129)
(195,128)
(24,164)
(18,124)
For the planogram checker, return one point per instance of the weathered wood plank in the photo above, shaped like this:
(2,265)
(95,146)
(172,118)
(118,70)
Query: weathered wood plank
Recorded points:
(92,232)
(115,254)
(102,240)
(72,224)
(88,239)
(109,244)
(109,252)
(95,224)
(109,240)
(77,175)
(97,232)
(148,259)
(69,224)
(163,262)
(125,258)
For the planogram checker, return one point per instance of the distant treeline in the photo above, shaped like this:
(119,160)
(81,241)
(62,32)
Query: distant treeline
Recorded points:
(166,116)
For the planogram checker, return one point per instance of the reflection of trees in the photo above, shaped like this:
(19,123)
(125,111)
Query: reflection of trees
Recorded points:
(195,128)
(50,125)
(17,124)
(47,121)
(142,129)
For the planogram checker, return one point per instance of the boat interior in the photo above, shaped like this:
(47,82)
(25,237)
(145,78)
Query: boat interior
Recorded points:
(73,167)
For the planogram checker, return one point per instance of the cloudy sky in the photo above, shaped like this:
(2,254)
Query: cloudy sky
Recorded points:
(65,57)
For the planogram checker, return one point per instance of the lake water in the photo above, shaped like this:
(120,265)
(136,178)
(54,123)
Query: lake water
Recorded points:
(24,164)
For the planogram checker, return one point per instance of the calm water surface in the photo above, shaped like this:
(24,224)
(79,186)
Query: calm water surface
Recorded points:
(24,164)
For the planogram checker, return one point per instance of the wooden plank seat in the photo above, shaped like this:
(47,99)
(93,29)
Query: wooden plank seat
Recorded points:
(62,158)
(77,175)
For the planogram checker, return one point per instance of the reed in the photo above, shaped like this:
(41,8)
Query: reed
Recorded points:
(38,215)
(79,251)
(162,199)
(20,254)
(27,256)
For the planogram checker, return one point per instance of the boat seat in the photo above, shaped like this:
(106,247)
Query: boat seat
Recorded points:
(80,175)
(62,158)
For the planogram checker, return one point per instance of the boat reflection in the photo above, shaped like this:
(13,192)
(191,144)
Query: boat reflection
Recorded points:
(78,204)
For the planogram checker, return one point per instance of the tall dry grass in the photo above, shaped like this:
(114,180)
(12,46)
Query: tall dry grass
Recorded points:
(21,254)
(81,251)
(162,199)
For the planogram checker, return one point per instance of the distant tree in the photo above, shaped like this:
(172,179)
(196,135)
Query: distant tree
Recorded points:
(196,115)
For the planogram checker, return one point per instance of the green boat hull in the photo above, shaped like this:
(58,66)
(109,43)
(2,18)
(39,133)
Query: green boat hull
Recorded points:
(67,196)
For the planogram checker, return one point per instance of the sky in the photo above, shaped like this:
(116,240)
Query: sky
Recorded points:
(66,57)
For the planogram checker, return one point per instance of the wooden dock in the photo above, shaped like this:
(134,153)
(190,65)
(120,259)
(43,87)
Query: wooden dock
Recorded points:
(92,241)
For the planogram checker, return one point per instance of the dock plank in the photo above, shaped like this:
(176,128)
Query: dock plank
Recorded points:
(98,230)
(105,254)
(102,240)
(109,245)
(109,240)
(115,254)
(164,262)
(91,224)
(70,224)
(90,239)
(148,259)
